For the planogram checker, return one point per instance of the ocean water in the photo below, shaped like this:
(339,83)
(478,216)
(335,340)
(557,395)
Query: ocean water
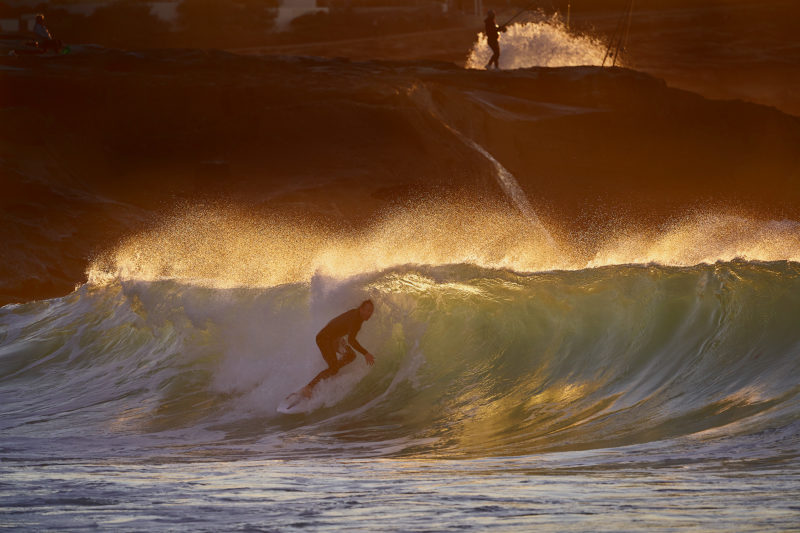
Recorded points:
(606,397)
(526,376)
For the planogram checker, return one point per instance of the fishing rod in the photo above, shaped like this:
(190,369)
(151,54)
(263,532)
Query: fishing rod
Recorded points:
(619,40)
(527,8)
(569,12)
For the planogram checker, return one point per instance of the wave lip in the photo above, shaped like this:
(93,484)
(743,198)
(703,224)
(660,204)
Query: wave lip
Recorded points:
(228,248)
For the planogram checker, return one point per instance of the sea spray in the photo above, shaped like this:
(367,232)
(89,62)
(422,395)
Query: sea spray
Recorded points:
(225,247)
(547,43)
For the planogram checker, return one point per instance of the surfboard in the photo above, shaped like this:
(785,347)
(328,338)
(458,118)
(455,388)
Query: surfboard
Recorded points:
(294,403)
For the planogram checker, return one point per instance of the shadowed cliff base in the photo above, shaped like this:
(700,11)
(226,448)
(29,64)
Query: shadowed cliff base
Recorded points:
(101,143)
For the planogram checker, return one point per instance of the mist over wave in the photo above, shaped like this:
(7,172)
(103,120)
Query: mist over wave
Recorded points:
(547,43)
(225,247)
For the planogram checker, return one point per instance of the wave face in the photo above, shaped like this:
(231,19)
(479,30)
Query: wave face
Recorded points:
(471,361)
(546,43)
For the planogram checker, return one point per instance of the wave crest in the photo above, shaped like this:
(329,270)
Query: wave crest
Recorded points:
(226,247)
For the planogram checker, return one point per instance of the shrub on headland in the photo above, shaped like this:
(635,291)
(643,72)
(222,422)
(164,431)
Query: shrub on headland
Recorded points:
(349,23)
(123,23)
(212,23)
(132,24)
(126,23)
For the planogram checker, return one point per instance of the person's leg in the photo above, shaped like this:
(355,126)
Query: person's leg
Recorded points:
(327,348)
(495,55)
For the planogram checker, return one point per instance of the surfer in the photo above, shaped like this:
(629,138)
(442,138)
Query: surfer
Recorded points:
(492,35)
(329,338)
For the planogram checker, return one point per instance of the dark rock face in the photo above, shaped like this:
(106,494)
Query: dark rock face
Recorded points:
(97,144)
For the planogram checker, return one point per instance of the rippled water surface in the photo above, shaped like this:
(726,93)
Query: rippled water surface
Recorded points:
(397,495)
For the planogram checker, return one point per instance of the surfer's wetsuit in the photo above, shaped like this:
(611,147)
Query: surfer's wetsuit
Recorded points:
(347,324)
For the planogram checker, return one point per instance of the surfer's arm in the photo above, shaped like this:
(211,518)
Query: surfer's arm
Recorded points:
(351,338)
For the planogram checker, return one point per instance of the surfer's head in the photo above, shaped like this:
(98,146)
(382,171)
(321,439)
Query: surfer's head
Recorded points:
(490,14)
(366,308)
(40,19)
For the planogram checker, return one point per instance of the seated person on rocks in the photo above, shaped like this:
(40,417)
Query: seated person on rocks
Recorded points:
(44,39)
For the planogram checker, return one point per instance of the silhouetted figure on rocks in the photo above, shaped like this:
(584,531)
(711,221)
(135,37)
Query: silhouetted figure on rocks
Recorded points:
(492,35)
(44,38)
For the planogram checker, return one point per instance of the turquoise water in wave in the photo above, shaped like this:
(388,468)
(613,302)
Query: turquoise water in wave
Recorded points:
(614,398)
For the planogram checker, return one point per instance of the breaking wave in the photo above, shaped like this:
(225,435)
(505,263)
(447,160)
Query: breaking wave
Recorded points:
(188,334)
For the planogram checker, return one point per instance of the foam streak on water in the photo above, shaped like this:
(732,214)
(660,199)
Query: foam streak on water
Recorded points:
(505,179)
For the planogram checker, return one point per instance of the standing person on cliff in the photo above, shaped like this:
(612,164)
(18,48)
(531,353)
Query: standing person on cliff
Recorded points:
(492,36)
